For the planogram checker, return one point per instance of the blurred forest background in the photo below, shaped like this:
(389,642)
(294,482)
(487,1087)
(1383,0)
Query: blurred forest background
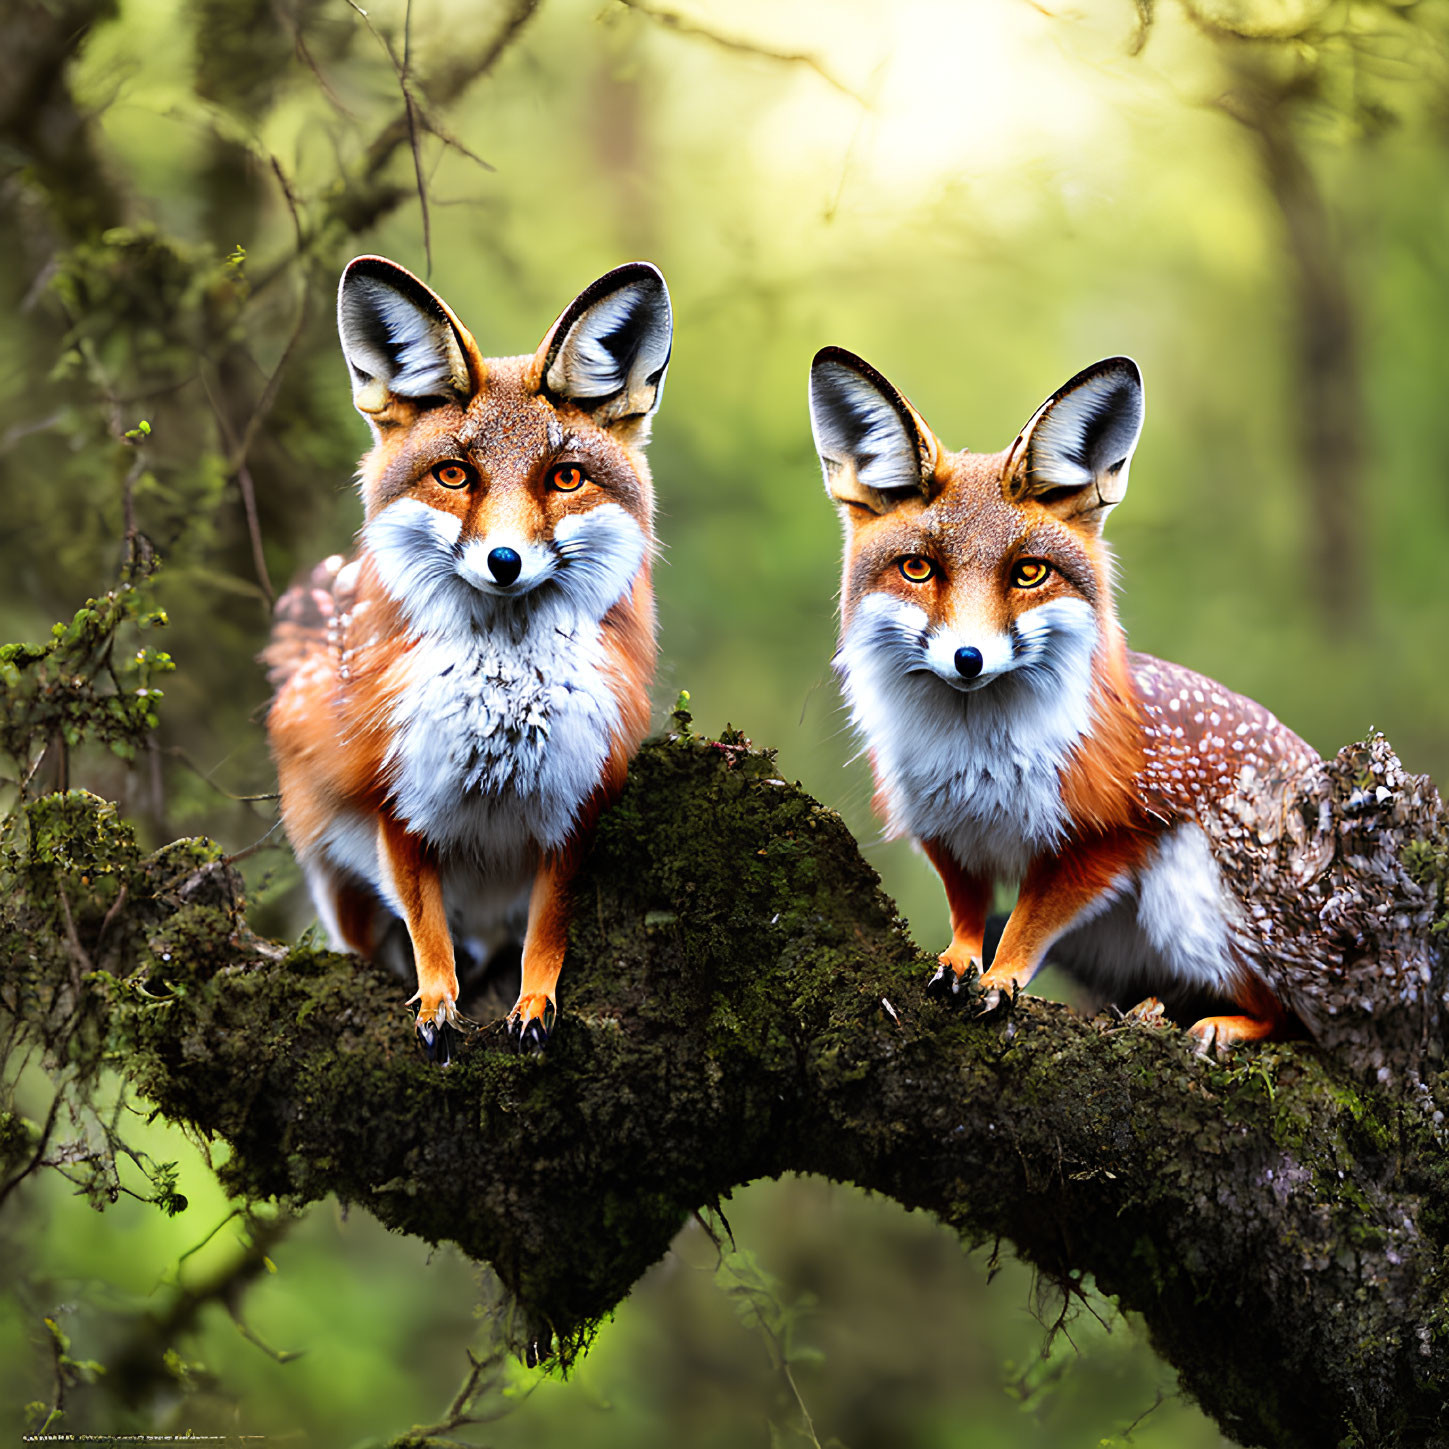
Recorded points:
(1250,198)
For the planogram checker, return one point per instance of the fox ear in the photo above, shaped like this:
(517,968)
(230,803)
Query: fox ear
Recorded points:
(875,449)
(401,340)
(1073,456)
(609,351)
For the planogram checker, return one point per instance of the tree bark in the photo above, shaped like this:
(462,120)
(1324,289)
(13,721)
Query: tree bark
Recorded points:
(740,1000)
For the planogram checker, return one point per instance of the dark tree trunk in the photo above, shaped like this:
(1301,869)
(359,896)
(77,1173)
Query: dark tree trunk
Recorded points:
(1328,404)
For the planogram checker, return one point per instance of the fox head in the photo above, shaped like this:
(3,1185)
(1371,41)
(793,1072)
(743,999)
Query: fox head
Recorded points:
(974,571)
(496,487)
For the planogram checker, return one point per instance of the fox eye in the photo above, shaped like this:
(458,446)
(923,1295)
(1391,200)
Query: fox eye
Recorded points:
(916,568)
(567,478)
(453,474)
(1029,573)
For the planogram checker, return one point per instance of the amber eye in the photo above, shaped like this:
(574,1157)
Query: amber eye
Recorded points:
(567,478)
(453,474)
(1029,573)
(916,568)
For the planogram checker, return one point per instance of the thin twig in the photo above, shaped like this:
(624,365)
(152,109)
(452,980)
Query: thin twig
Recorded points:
(304,53)
(259,844)
(290,197)
(254,529)
(80,958)
(1150,1409)
(177,753)
(682,25)
(401,69)
(38,1156)
(483,1376)
(248,495)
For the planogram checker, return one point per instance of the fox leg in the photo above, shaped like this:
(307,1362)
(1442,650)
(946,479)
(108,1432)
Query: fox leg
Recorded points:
(532,1017)
(413,872)
(356,909)
(549,904)
(968,895)
(1056,893)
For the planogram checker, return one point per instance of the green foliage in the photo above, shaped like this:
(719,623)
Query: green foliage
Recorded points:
(144,306)
(93,679)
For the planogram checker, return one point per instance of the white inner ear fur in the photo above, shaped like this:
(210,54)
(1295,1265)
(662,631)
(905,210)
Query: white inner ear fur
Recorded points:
(615,348)
(389,339)
(1081,435)
(860,434)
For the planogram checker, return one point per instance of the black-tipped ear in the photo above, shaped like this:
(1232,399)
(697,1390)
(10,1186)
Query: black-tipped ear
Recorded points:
(401,340)
(609,351)
(873,445)
(1073,456)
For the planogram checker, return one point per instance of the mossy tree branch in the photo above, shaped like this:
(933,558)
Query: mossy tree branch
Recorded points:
(741,1001)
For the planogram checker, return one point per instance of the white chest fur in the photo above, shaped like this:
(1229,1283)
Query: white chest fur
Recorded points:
(499,737)
(979,771)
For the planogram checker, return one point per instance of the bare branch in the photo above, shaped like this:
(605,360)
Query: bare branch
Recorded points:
(682,25)
(246,488)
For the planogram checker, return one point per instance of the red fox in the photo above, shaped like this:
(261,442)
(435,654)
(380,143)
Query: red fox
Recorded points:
(458,703)
(1010,730)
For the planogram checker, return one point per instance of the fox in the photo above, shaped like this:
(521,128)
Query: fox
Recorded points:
(1011,732)
(457,703)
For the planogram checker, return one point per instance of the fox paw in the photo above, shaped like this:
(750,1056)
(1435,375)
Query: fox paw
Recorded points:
(998,989)
(951,976)
(1149,1012)
(531,1021)
(440,1026)
(1215,1033)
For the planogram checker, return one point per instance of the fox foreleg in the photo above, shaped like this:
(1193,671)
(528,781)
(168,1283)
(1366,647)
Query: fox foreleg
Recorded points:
(1057,893)
(418,890)
(532,1017)
(969,896)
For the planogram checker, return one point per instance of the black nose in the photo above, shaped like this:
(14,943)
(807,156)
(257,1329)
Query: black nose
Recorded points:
(504,564)
(968,661)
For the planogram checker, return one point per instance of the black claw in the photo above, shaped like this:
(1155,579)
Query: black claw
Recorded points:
(533,1037)
(945,985)
(437,1041)
(995,1000)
